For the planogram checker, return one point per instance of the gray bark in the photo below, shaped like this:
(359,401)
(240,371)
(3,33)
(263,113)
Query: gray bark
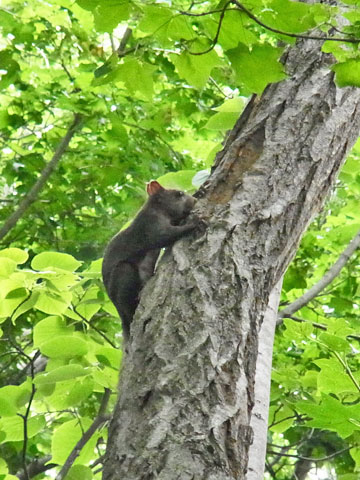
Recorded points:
(187,384)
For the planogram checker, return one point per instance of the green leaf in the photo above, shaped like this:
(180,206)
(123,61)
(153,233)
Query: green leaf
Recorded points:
(60,374)
(20,292)
(64,346)
(281,419)
(137,77)
(8,405)
(163,23)
(79,392)
(195,69)
(12,397)
(51,303)
(106,377)
(65,438)
(290,16)
(25,306)
(347,73)
(332,378)
(297,330)
(222,121)
(15,254)
(109,356)
(233,29)
(232,105)
(88,4)
(79,472)
(11,285)
(14,427)
(108,14)
(50,328)
(7,266)
(181,180)
(256,68)
(10,66)
(47,260)
(335,343)
(331,415)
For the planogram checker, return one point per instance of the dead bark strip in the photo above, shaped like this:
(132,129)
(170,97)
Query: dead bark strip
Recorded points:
(187,384)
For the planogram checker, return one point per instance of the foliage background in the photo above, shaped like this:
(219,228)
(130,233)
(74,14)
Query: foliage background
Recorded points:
(153,106)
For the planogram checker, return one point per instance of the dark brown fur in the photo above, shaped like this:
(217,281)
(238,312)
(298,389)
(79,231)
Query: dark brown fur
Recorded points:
(131,255)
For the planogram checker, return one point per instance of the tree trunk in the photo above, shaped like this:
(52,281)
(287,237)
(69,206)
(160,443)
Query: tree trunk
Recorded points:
(187,384)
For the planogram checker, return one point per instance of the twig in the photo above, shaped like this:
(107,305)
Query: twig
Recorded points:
(31,196)
(26,416)
(287,34)
(317,325)
(310,459)
(36,467)
(262,24)
(97,461)
(155,134)
(99,420)
(95,328)
(215,39)
(123,42)
(347,370)
(302,320)
(329,276)
(284,419)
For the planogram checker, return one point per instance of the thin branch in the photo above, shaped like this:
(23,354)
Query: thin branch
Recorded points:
(95,328)
(329,276)
(31,196)
(215,39)
(155,134)
(310,459)
(127,34)
(97,461)
(284,420)
(302,320)
(292,35)
(20,304)
(26,418)
(36,467)
(262,24)
(203,14)
(317,325)
(113,48)
(99,420)
(347,370)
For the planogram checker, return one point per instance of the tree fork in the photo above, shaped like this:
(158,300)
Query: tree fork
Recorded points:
(187,384)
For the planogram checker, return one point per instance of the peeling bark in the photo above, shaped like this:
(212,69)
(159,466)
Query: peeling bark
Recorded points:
(260,412)
(187,384)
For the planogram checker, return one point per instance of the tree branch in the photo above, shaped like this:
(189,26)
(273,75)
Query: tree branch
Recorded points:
(347,370)
(247,12)
(329,276)
(127,34)
(287,34)
(99,420)
(310,459)
(36,467)
(27,413)
(31,196)
(215,39)
(102,334)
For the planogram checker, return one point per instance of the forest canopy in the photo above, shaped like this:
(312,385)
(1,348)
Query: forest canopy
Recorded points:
(97,98)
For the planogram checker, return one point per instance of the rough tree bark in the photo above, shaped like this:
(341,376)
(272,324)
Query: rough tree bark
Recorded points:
(187,384)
